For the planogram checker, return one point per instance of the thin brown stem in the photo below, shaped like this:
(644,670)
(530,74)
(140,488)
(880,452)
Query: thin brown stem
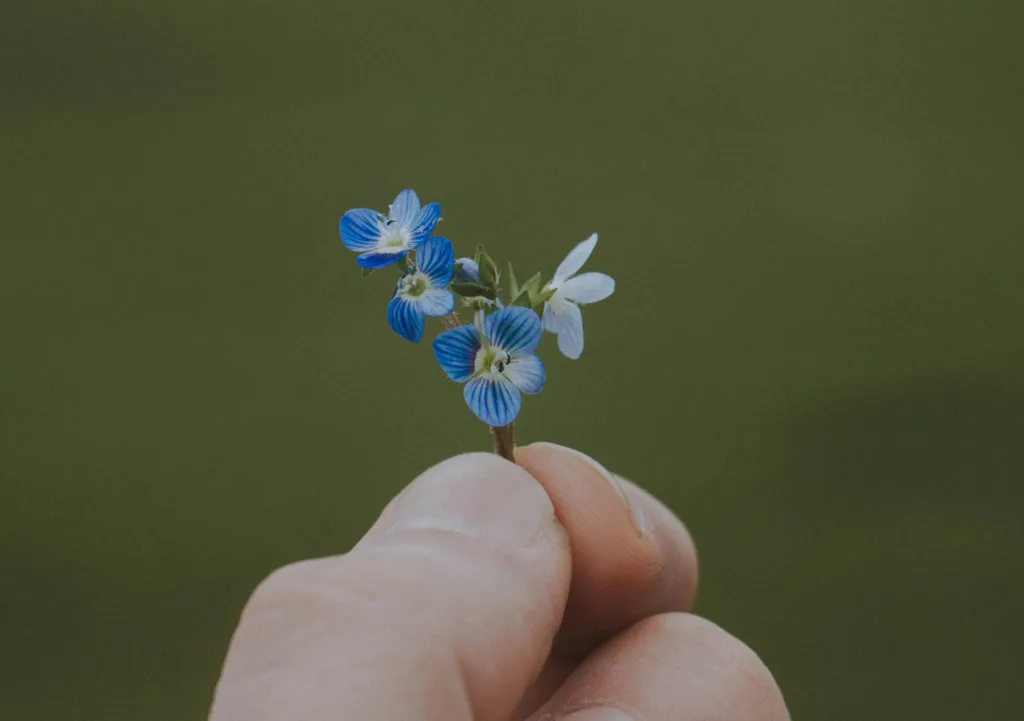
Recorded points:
(505,441)
(451,320)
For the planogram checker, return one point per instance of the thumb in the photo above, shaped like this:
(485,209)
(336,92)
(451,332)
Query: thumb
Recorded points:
(445,610)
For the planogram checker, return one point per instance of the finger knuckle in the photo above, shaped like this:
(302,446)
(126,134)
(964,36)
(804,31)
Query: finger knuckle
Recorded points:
(285,587)
(725,655)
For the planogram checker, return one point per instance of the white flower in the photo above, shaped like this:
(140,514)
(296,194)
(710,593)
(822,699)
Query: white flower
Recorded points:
(562,314)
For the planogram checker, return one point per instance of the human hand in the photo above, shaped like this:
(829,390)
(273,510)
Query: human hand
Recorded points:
(486,592)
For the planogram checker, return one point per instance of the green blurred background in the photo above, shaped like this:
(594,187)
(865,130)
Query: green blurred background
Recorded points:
(813,211)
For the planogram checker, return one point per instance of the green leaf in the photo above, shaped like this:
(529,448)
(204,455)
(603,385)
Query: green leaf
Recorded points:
(473,290)
(513,289)
(488,268)
(533,284)
(523,299)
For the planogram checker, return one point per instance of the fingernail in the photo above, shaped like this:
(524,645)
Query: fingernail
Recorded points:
(598,714)
(475,495)
(635,514)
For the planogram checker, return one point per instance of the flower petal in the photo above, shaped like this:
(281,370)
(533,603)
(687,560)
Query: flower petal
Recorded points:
(436,258)
(360,229)
(588,288)
(456,351)
(406,318)
(380,259)
(575,260)
(469,272)
(514,329)
(495,401)
(565,320)
(436,301)
(424,222)
(405,209)
(527,372)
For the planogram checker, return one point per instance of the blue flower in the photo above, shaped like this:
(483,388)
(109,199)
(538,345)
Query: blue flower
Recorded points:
(423,290)
(498,361)
(469,272)
(385,239)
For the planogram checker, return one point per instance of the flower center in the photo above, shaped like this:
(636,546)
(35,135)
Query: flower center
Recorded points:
(491,360)
(413,285)
(392,240)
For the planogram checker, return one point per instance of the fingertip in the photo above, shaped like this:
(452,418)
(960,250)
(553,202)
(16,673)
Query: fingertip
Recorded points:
(676,546)
(631,556)
(569,475)
(475,494)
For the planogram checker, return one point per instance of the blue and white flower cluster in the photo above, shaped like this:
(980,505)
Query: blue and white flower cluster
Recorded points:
(495,355)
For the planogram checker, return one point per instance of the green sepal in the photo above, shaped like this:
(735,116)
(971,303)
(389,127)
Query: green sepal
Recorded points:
(367,271)
(488,268)
(523,299)
(474,290)
(408,263)
(542,298)
(479,303)
(533,284)
(456,269)
(513,288)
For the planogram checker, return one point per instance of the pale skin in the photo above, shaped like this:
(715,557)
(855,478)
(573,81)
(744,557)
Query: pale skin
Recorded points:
(490,591)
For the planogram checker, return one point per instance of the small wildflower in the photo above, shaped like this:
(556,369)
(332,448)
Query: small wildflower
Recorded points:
(469,271)
(497,357)
(423,290)
(562,314)
(385,239)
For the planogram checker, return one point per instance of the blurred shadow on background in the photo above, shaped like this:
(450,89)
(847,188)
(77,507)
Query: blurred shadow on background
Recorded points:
(952,442)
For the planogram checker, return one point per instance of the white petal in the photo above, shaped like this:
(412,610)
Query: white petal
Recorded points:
(565,320)
(588,288)
(575,260)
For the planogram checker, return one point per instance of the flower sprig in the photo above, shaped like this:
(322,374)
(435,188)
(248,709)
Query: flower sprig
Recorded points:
(495,354)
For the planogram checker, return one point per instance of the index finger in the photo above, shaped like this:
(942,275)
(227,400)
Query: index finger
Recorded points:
(632,558)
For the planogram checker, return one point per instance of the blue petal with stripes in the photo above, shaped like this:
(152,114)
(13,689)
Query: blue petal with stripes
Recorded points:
(360,230)
(436,258)
(469,272)
(527,372)
(436,302)
(405,209)
(456,351)
(495,401)
(424,223)
(406,318)
(374,260)
(515,329)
